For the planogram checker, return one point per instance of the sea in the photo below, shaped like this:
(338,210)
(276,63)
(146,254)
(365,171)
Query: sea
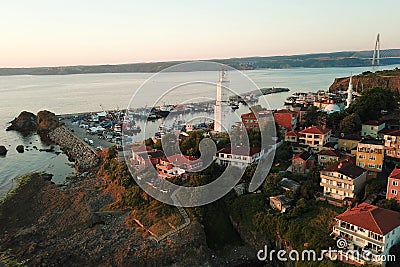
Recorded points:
(67,94)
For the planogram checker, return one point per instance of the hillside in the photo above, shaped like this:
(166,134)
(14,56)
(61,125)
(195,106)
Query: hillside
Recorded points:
(387,79)
(320,60)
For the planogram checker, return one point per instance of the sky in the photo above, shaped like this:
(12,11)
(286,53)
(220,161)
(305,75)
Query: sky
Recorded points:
(88,32)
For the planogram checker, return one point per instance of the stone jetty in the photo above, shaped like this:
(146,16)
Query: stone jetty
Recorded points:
(76,149)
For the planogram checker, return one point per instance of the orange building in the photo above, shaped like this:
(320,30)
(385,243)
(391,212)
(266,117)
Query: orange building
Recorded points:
(393,187)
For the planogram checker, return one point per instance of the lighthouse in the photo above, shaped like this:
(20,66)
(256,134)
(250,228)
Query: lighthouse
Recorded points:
(221,107)
(349,93)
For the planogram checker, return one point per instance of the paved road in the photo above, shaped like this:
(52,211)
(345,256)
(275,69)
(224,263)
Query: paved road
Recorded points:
(81,133)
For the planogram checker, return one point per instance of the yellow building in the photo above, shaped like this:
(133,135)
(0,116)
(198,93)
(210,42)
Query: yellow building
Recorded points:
(392,143)
(370,156)
(348,142)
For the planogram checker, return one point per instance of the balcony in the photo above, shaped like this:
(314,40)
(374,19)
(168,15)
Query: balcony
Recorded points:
(349,190)
(356,234)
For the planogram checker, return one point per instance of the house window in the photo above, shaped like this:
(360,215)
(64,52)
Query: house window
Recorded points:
(395,183)
(394,192)
(372,158)
(370,165)
(361,156)
(361,164)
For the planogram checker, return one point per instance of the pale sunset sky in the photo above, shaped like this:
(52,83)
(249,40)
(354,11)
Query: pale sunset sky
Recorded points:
(88,32)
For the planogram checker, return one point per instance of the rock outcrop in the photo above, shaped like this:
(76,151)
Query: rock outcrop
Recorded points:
(368,80)
(3,150)
(25,123)
(20,148)
(46,121)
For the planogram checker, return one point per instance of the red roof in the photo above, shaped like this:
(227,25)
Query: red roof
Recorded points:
(345,167)
(371,218)
(315,130)
(284,111)
(305,155)
(395,173)
(390,132)
(179,159)
(373,123)
(248,115)
(292,133)
(240,150)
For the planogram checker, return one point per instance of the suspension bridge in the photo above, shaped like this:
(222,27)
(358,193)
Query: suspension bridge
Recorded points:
(383,55)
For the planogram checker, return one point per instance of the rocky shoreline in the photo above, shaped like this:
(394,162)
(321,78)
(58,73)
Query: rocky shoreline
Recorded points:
(44,224)
(77,150)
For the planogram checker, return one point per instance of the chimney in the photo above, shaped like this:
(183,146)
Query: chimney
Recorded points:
(340,165)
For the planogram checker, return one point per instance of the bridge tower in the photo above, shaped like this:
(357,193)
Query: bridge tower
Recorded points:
(377,51)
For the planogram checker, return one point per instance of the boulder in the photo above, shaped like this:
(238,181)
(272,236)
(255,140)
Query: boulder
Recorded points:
(20,148)
(24,123)
(46,121)
(3,150)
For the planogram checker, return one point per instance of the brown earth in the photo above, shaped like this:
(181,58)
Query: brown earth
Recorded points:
(47,224)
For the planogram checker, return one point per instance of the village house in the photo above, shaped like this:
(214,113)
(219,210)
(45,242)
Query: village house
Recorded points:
(252,121)
(239,156)
(188,163)
(280,203)
(147,158)
(392,143)
(368,228)
(167,170)
(302,162)
(348,142)
(393,186)
(370,156)
(292,136)
(372,128)
(328,156)
(343,181)
(323,103)
(315,137)
(289,185)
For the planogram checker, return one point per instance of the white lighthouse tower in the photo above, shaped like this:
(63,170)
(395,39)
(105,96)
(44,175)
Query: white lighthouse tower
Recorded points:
(221,107)
(350,92)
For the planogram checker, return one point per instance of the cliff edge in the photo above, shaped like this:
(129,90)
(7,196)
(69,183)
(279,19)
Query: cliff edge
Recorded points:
(387,79)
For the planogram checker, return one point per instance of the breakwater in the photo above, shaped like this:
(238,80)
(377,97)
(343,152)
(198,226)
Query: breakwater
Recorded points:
(81,153)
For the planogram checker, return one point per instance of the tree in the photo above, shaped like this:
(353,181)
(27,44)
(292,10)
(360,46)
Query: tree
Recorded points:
(334,119)
(390,204)
(149,142)
(311,116)
(350,124)
(372,101)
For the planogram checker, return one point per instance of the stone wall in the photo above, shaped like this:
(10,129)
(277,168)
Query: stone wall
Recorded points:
(76,149)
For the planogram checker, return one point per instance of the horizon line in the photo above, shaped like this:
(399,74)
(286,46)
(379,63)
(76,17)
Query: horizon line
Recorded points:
(189,60)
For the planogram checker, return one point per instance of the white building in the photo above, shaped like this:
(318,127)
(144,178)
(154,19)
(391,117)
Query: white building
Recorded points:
(349,99)
(315,137)
(368,228)
(343,180)
(221,108)
(239,156)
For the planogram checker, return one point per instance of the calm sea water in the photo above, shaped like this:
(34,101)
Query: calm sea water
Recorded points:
(80,93)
